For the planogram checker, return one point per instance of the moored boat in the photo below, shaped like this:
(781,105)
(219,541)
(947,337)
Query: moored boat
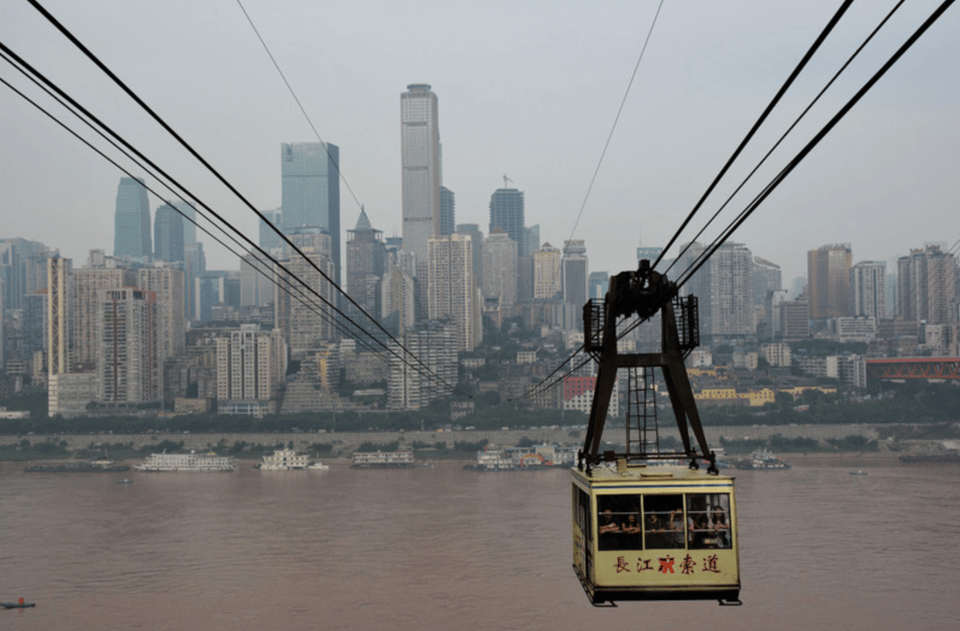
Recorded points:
(187,462)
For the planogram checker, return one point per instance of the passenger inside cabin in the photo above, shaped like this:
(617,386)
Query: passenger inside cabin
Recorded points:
(721,528)
(607,523)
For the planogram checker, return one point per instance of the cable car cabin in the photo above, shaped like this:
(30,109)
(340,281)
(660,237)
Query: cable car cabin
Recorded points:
(655,533)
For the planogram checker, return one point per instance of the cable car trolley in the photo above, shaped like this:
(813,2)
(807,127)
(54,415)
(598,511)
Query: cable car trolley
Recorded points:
(645,529)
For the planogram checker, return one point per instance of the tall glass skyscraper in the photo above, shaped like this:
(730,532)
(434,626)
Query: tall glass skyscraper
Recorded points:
(420,160)
(131,230)
(168,234)
(310,192)
(506,211)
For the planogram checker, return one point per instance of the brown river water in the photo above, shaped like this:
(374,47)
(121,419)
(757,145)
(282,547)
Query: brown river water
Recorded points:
(443,548)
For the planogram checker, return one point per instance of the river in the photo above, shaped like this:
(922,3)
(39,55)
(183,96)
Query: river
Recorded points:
(443,548)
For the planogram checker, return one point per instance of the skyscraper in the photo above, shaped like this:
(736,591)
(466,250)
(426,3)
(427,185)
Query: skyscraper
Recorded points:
(366,264)
(100,273)
(547,282)
(420,161)
(575,272)
(168,232)
(927,286)
(303,329)
(131,231)
(724,287)
(767,278)
(166,284)
(448,217)
(828,280)
(500,270)
(506,211)
(473,231)
(128,367)
(268,237)
(453,292)
(58,315)
(310,191)
(868,289)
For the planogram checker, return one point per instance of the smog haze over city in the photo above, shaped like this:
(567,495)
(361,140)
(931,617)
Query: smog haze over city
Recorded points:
(526,89)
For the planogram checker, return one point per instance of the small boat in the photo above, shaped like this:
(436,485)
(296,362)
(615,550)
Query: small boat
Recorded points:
(17,605)
(858,472)
(125,481)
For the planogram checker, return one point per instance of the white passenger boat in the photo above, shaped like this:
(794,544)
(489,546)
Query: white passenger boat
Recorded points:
(187,462)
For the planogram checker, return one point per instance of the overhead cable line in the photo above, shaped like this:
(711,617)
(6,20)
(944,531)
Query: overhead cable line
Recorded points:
(816,140)
(302,297)
(336,163)
(687,275)
(606,145)
(430,374)
(753,130)
(233,189)
(786,133)
(616,118)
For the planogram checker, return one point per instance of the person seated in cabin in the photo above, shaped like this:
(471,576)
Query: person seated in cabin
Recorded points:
(721,528)
(674,529)
(631,525)
(653,531)
(698,531)
(607,523)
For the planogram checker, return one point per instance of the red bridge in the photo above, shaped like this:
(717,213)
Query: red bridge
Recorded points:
(914,368)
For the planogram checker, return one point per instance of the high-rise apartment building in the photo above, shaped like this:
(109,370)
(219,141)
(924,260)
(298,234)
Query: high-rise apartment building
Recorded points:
(547,276)
(366,264)
(724,288)
(411,386)
(828,281)
(473,231)
(398,300)
(58,315)
(131,232)
(868,290)
(128,366)
(101,273)
(420,161)
(453,293)
(506,211)
(250,369)
(166,284)
(927,286)
(500,270)
(168,234)
(305,319)
(310,195)
(767,279)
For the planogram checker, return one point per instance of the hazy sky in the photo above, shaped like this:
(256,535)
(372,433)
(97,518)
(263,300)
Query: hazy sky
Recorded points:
(529,89)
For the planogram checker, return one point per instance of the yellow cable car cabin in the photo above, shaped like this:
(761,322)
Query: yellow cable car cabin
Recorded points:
(655,533)
(645,532)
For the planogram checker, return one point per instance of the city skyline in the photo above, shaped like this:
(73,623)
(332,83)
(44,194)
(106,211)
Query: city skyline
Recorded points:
(895,156)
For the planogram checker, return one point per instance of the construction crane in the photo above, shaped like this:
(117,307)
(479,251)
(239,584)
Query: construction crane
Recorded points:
(505,180)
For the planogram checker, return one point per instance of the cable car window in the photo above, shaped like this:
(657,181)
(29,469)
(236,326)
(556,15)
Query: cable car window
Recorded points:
(663,522)
(708,516)
(618,522)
